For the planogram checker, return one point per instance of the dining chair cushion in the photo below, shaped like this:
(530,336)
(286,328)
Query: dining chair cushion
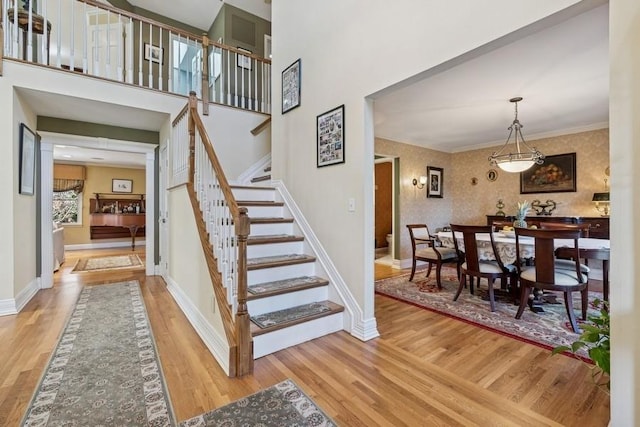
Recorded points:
(490,267)
(563,277)
(567,264)
(430,253)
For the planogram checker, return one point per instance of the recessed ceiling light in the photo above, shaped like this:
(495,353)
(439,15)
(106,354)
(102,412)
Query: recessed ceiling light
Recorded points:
(67,156)
(97,158)
(61,146)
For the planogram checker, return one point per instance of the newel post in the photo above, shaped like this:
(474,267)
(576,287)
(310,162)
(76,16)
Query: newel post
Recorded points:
(205,75)
(193,109)
(243,330)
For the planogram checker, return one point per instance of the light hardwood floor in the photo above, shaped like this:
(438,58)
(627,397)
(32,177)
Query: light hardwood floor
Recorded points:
(424,370)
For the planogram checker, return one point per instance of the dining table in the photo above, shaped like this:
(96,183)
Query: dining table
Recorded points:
(589,248)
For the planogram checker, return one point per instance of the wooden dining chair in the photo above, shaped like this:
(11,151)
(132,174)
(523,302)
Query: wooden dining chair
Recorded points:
(473,266)
(550,273)
(425,248)
(584,228)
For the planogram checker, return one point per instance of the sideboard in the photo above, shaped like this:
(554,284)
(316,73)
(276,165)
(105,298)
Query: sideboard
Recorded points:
(599,224)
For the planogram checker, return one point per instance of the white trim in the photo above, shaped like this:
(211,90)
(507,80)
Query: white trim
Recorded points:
(83,246)
(8,307)
(363,329)
(48,140)
(257,169)
(46,215)
(216,344)
(27,293)
(14,306)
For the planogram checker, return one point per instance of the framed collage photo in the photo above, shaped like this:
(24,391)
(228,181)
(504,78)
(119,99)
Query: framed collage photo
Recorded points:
(330,137)
(291,87)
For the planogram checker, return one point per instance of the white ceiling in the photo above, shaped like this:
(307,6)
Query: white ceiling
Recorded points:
(202,13)
(561,72)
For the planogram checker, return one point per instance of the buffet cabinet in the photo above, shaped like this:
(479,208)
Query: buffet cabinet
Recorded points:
(599,225)
(117,216)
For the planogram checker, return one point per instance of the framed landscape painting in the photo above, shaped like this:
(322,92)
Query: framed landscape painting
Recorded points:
(556,175)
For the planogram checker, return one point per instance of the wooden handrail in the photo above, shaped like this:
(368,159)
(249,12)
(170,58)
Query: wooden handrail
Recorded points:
(237,330)
(262,126)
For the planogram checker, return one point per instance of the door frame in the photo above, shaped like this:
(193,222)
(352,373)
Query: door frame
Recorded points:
(395,244)
(48,140)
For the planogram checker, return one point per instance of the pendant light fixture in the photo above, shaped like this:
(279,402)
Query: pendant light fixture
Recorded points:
(524,156)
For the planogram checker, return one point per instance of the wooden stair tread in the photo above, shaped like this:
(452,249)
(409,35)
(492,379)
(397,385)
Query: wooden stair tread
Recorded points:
(273,238)
(258,203)
(261,178)
(278,287)
(268,220)
(250,187)
(267,169)
(278,261)
(292,318)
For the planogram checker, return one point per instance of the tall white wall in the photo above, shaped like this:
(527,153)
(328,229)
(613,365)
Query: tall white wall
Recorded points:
(624,16)
(350,49)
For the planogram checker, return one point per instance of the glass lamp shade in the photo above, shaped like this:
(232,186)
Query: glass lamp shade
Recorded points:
(515,165)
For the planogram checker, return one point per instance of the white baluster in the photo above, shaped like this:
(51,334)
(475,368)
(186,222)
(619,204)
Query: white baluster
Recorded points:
(228,77)
(108,28)
(85,41)
(170,62)
(72,39)
(44,52)
(160,64)
(129,62)
(140,47)
(150,63)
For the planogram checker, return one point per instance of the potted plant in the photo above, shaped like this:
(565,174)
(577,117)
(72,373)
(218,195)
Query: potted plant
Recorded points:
(595,339)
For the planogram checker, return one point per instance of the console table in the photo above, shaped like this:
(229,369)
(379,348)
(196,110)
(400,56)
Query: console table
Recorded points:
(599,225)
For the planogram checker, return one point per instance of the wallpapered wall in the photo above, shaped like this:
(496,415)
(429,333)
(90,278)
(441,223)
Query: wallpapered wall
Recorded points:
(468,204)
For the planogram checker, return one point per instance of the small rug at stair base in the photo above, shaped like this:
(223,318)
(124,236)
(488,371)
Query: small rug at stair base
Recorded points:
(105,369)
(107,263)
(289,314)
(547,330)
(283,404)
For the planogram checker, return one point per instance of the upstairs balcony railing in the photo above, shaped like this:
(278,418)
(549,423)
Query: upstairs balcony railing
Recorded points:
(96,39)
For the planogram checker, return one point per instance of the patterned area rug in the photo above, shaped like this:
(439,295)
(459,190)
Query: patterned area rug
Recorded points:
(105,368)
(107,263)
(283,404)
(548,329)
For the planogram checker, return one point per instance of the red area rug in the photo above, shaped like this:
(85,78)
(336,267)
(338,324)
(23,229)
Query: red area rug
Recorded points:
(547,330)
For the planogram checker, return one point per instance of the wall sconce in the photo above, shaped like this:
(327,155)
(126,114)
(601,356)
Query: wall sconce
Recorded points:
(602,202)
(420,183)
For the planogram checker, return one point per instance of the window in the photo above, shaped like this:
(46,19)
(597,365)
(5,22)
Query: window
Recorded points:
(67,207)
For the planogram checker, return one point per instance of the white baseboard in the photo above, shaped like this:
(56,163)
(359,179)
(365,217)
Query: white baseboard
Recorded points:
(8,307)
(216,343)
(104,245)
(15,305)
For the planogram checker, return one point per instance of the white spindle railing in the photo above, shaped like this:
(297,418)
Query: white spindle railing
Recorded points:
(111,43)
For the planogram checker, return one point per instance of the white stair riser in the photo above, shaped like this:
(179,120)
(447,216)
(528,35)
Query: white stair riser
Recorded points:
(283,338)
(265,211)
(272,249)
(280,273)
(254,194)
(288,300)
(271,228)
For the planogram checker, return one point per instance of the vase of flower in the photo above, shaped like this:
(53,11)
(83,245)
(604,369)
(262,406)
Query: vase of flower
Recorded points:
(521,213)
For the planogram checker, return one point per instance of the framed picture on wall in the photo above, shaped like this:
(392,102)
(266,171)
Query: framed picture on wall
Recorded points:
(27,165)
(291,87)
(242,60)
(153,53)
(434,182)
(330,137)
(556,175)
(121,185)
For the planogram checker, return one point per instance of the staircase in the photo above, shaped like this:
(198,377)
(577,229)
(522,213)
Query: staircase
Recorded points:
(288,296)
(261,178)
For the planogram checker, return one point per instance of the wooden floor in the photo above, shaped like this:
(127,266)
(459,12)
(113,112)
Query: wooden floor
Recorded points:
(424,370)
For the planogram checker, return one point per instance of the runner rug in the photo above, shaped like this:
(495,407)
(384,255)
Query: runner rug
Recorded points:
(283,404)
(105,368)
(547,330)
(107,263)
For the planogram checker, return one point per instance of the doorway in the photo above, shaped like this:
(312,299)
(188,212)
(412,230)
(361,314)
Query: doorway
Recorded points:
(385,205)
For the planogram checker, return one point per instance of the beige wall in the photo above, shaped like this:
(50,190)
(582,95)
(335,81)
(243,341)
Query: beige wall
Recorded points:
(469,204)
(98,180)
(473,202)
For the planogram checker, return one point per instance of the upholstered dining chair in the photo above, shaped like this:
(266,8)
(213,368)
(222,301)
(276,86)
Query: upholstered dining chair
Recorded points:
(425,248)
(550,273)
(475,267)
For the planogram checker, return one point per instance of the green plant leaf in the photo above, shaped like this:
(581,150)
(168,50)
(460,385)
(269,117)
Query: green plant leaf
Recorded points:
(560,349)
